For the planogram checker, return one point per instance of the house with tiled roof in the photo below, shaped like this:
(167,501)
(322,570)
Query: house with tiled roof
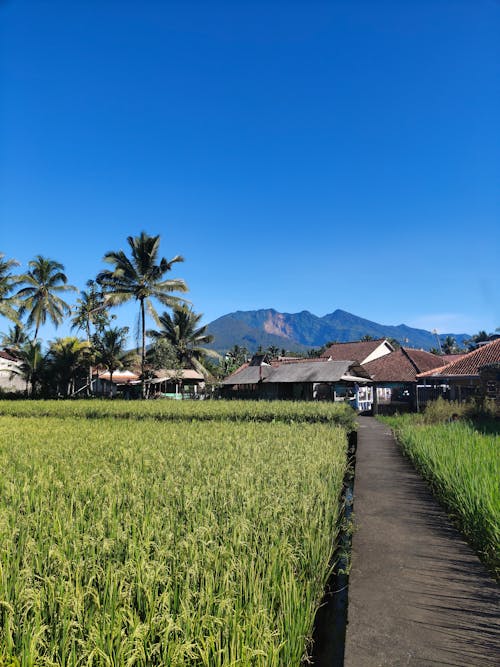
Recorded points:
(361,351)
(394,378)
(10,375)
(474,374)
(301,379)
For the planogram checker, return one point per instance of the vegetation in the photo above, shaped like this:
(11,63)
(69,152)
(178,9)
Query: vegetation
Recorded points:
(462,465)
(174,542)
(186,337)
(40,299)
(141,278)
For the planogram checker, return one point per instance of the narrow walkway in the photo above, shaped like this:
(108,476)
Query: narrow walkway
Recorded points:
(418,595)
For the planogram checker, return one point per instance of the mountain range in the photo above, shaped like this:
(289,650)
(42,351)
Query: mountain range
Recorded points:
(299,332)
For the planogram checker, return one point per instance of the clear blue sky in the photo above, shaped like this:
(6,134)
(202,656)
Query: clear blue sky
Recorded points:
(300,155)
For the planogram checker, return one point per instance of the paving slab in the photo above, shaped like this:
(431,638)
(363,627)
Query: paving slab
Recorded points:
(418,594)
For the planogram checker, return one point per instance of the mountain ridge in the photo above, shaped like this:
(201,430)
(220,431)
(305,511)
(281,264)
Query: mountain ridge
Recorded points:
(302,331)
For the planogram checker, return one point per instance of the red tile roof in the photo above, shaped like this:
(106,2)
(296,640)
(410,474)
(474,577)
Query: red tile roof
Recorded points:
(6,355)
(402,365)
(470,363)
(357,351)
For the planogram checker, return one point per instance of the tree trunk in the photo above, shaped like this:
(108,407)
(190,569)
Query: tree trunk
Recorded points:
(143,351)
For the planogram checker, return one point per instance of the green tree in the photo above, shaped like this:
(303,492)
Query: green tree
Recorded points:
(8,282)
(161,354)
(234,358)
(15,337)
(40,299)
(273,351)
(449,345)
(141,278)
(90,313)
(32,365)
(473,342)
(187,337)
(67,362)
(110,350)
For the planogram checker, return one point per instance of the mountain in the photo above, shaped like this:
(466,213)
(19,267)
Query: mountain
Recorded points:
(299,332)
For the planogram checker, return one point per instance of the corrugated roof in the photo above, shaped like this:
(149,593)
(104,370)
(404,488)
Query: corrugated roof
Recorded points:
(303,370)
(328,371)
(402,365)
(186,374)
(359,350)
(248,375)
(470,363)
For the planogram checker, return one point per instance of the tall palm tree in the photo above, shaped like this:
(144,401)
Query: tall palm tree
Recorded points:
(90,311)
(110,348)
(187,338)
(141,278)
(40,299)
(67,358)
(8,281)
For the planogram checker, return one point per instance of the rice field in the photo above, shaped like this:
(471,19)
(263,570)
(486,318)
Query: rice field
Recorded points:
(161,541)
(169,410)
(462,466)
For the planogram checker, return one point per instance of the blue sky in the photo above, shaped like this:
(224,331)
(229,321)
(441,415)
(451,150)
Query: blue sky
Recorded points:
(300,155)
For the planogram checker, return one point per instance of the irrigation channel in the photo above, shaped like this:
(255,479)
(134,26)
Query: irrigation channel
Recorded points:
(331,619)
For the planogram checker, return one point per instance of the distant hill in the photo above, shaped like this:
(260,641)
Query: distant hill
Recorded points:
(299,332)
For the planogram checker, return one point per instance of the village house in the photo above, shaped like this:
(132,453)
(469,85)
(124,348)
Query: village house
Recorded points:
(394,378)
(301,379)
(10,377)
(361,351)
(476,374)
(164,383)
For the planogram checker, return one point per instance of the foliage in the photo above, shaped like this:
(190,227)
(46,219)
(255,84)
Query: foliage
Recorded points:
(462,466)
(164,543)
(40,299)
(141,278)
(90,311)
(290,412)
(186,336)
(110,350)
(68,360)
(161,354)
(8,281)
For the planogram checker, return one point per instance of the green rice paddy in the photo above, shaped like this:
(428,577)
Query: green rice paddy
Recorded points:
(462,465)
(165,536)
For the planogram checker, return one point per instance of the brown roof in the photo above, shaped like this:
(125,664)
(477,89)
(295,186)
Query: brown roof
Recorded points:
(402,365)
(470,363)
(6,355)
(357,351)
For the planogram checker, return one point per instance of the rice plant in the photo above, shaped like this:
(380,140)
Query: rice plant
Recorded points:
(166,410)
(462,466)
(179,542)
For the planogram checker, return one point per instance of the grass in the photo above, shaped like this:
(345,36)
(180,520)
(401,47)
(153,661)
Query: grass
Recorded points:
(151,541)
(166,410)
(462,466)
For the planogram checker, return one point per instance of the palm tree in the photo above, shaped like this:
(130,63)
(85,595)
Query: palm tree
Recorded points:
(449,345)
(90,310)
(31,365)
(68,359)
(7,283)
(45,280)
(110,348)
(141,278)
(187,338)
(15,337)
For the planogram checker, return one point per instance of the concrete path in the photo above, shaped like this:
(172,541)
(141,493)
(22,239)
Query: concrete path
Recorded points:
(418,595)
